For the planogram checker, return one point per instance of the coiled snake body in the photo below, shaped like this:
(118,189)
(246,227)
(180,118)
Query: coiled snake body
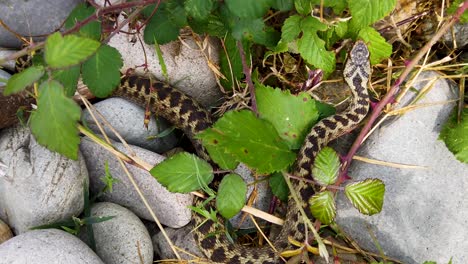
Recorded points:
(189,116)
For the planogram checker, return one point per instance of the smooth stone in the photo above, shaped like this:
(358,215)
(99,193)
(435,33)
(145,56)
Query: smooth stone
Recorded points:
(127,119)
(262,198)
(425,210)
(5,232)
(47,246)
(4,75)
(181,238)
(171,208)
(32,18)
(186,64)
(9,65)
(122,239)
(40,186)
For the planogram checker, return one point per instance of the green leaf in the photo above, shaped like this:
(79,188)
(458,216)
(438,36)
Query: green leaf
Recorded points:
(279,186)
(312,49)
(379,49)
(101,73)
(322,207)
(366,12)
(225,160)
(183,173)
(22,80)
(292,115)
(176,12)
(255,30)
(455,135)
(199,9)
(303,7)
(62,52)
(54,123)
(283,5)
(81,12)
(367,196)
(291,28)
(212,25)
(160,27)
(326,166)
(231,195)
(251,140)
(68,78)
(230,63)
(248,8)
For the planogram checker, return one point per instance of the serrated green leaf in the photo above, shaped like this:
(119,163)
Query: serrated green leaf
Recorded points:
(20,81)
(79,13)
(367,196)
(303,7)
(255,30)
(54,123)
(230,63)
(248,8)
(68,78)
(312,24)
(326,166)
(312,49)
(292,115)
(62,52)
(101,73)
(251,140)
(176,12)
(225,160)
(212,25)
(283,5)
(183,173)
(291,28)
(199,9)
(366,12)
(337,5)
(322,207)
(279,186)
(455,135)
(341,29)
(231,195)
(379,48)
(160,27)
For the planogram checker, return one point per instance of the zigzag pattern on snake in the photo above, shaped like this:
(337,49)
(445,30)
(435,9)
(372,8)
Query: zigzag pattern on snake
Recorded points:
(192,118)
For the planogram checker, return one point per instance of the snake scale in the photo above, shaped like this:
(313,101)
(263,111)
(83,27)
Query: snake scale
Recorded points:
(188,115)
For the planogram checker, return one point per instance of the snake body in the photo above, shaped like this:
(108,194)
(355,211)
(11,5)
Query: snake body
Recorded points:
(188,115)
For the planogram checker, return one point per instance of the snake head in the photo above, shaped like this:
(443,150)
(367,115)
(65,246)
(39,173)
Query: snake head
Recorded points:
(359,55)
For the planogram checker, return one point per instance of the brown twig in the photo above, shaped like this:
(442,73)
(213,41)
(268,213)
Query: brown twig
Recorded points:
(390,96)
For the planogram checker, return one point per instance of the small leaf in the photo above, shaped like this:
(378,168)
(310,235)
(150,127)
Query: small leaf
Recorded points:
(22,80)
(278,186)
(379,48)
(312,49)
(292,115)
(255,30)
(291,28)
(183,173)
(251,140)
(160,27)
(326,166)
(366,12)
(101,73)
(68,78)
(225,160)
(231,195)
(303,7)
(54,123)
(322,207)
(283,5)
(61,52)
(199,9)
(80,13)
(230,63)
(455,135)
(248,8)
(367,196)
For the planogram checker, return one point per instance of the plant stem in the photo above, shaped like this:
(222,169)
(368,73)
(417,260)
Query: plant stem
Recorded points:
(248,77)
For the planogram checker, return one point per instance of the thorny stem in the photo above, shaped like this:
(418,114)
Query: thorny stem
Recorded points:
(390,96)
(248,77)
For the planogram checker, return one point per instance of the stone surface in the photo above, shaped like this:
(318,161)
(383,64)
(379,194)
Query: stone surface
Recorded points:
(9,65)
(4,75)
(122,239)
(40,187)
(127,118)
(5,232)
(186,64)
(425,211)
(259,191)
(32,18)
(47,246)
(181,238)
(171,208)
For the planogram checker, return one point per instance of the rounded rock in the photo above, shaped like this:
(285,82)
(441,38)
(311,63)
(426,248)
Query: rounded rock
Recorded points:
(5,232)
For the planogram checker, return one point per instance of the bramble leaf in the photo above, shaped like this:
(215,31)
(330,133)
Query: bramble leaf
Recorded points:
(20,81)
(292,115)
(367,196)
(199,9)
(312,49)
(278,186)
(378,47)
(322,207)
(79,13)
(455,135)
(326,166)
(231,195)
(159,27)
(303,7)
(230,63)
(291,28)
(225,160)
(183,173)
(366,12)
(54,123)
(68,78)
(250,140)
(248,8)
(101,73)
(62,52)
